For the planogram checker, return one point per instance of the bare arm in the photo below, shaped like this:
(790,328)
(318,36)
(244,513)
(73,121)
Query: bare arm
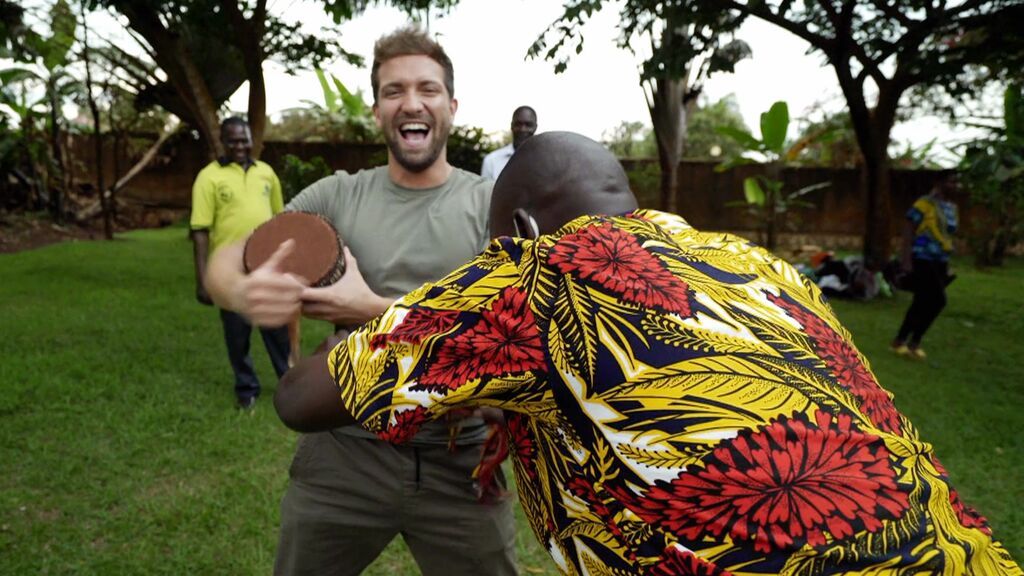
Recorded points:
(307,398)
(267,296)
(200,248)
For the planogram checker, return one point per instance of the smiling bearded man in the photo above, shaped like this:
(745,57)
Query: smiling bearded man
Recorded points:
(415,127)
(407,223)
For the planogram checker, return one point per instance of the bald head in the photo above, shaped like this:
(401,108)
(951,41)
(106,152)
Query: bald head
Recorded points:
(555,177)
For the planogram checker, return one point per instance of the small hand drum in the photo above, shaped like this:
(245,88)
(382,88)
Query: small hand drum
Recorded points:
(318,255)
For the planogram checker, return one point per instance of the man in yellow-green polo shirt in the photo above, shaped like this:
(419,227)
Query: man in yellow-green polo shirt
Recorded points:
(230,197)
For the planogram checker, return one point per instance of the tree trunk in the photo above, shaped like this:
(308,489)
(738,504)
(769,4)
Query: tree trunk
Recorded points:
(117,146)
(875,190)
(669,182)
(665,104)
(250,38)
(108,228)
(257,109)
(206,109)
(173,57)
(57,191)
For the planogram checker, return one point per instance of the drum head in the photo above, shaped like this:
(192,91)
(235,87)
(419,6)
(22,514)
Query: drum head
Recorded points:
(318,256)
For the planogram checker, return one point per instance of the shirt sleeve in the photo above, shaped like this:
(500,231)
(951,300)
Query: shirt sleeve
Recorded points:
(321,197)
(469,340)
(204,206)
(916,212)
(487,170)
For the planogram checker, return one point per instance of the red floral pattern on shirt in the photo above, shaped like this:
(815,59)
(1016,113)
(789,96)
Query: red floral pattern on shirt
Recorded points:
(788,483)
(504,341)
(616,260)
(524,446)
(407,423)
(678,562)
(845,364)
(612,464)
(417,325)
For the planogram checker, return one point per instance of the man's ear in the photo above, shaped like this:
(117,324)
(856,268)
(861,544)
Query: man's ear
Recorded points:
(454,106)
(525,225)
(376,114)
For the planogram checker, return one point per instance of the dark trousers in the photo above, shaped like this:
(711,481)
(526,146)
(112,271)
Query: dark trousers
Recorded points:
(237,331)
(928,279)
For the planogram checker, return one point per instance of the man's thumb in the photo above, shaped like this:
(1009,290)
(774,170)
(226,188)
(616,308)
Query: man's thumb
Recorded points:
(276,259)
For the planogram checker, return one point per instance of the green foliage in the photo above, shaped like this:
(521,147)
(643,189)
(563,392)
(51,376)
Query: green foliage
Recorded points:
(630,140)
(54,50)
(702,137)
(703,140)
(683,43)
(13,161)
(644,181)
(467,146)
(912,157)
(19,42)
(347,110)
(764,198)
(830,141)
(206,50)
(297,174)
(125,454)
(774,125)
(36,92)
(343,117)
(15,36)
(678,32)
(883,51)
(992,169)
(342,10)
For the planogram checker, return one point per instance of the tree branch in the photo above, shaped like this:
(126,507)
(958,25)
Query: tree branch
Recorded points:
(759,10)
(893,13)
(845,42)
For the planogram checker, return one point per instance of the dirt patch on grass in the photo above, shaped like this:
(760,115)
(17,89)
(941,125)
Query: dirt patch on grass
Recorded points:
(26,232)
(30,230)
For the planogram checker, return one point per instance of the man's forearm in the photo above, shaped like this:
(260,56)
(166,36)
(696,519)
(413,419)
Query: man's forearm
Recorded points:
(308,400)
(200,247)
(378,306)
(224,273)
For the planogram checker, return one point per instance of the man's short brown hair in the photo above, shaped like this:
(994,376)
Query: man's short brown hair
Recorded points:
(410,41)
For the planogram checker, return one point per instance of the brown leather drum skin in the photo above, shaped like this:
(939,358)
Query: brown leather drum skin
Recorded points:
(318,255)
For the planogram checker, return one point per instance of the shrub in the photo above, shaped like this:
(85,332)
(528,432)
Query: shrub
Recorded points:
(297,174)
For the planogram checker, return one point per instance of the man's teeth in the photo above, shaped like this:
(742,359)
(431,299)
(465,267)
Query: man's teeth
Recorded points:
(414,127)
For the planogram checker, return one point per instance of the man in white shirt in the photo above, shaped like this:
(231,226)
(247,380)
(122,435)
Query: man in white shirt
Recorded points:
(524,124)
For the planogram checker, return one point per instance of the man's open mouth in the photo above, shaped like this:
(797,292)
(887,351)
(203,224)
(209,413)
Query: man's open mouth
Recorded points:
(414,132)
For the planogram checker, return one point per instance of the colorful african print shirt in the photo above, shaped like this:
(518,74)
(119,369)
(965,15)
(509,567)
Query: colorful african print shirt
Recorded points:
(677,402)
(934,221)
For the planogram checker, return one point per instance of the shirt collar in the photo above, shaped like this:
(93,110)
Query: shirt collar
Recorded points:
(224,161)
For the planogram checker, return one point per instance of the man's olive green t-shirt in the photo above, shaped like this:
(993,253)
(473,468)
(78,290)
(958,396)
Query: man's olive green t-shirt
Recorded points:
(403,238)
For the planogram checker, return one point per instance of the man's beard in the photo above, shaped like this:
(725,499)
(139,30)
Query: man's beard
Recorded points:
(418,162)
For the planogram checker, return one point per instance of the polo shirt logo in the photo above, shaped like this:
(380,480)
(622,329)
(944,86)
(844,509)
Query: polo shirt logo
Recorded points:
(224,193)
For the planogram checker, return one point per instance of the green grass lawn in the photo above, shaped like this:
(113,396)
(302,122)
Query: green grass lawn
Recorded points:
(121,451)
